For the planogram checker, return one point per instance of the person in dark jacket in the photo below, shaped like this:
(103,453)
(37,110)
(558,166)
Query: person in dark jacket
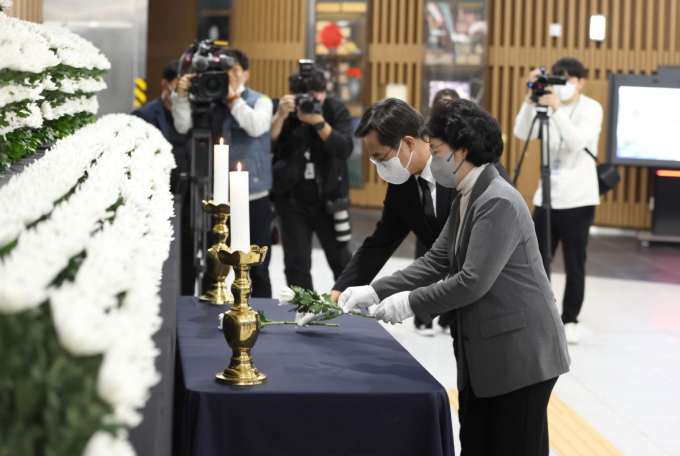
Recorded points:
(311,178)
(158,113)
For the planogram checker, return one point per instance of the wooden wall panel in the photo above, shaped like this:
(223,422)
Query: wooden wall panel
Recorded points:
(171,29)
(640,36)
(28,10)
(273,34)
(395,55)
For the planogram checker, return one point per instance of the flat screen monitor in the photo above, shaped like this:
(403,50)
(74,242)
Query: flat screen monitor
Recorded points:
(644,121)
(463,88)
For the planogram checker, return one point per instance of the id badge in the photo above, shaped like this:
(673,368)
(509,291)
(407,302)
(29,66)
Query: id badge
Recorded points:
(309,171)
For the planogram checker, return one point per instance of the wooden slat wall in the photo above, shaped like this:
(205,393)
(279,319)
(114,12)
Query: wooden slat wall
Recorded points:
(28,10)
(273,34)
(395,55)
(640,36)
(171,29)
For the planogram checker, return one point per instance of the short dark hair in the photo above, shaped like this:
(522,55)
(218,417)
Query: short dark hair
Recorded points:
(445,93)
(570,66)
(392,119)
(171,70)
(463,124)
(317,83)
(240,57)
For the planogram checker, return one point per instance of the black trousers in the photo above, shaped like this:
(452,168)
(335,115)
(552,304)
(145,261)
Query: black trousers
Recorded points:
(571,227)
(261,218)
(296,225)
(444,319)
(512,424)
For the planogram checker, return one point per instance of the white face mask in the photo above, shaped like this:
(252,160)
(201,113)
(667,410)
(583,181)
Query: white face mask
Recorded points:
(445,171)
(392,170)
(565,92)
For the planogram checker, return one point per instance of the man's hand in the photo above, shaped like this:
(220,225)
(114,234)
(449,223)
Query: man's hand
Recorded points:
(550,99)
(335,295)
(394,309)
(364,296)
(286,105)
(232,96)
(311,119)
(184,85)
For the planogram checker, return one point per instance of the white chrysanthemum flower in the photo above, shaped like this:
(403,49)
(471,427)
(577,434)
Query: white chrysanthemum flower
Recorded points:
(33,120)
(287,295)
(104,444)
(23,50)
(70,107)
(5,4)
(12,93)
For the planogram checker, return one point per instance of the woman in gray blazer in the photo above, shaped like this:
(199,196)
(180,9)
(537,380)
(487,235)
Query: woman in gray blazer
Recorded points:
(485,266)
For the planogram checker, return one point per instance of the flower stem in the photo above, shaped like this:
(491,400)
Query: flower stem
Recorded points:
(294,323)
(354,312)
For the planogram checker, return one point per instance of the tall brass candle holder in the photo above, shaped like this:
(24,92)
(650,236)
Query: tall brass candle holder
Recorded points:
(219,292)
(241,325)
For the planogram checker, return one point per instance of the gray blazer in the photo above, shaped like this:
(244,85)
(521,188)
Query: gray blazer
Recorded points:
(510,331)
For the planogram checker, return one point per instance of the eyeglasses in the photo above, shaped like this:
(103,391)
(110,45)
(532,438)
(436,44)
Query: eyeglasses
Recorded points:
(377,161)
(433,152)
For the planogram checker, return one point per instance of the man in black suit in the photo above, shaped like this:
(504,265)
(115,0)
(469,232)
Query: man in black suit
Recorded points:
(158,113)
(414,201)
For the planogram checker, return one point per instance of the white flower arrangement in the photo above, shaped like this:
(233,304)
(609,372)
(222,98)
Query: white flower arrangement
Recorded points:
(72,49)
(112,305)
(13,93)
(69,107)
(88,85)
(23,50)
(5,4)
(16,122)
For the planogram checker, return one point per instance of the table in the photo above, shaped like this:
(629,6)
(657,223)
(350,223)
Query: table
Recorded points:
(351,390)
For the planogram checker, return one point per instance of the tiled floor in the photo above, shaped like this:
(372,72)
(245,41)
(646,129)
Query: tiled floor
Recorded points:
(625,374)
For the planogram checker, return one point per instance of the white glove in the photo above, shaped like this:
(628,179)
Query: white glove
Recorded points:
(364,296)
(394,309)
(303,319)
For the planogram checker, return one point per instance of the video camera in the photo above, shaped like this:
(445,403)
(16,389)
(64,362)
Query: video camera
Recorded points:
(307,103)
(208,60)
(543,80)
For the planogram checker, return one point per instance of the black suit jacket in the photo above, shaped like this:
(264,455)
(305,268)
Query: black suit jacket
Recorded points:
(402,213)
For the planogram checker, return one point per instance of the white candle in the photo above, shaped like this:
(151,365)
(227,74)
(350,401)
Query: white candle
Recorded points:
(240,210)
(221,173)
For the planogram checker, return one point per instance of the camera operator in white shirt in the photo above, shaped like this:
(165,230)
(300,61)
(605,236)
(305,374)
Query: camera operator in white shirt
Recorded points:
(575,124)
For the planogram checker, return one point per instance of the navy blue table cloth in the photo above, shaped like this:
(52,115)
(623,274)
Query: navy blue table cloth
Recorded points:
(351,390)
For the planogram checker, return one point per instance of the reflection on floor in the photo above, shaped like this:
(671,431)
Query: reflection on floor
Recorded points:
(625,375)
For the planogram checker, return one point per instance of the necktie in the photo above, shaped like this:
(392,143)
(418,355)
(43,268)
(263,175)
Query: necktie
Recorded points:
(428,205)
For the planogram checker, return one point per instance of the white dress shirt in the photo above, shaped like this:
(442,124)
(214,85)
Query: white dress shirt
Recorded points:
(573,177)
(427,176)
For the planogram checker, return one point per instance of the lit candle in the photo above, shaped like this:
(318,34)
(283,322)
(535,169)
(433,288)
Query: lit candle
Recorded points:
(221,174)
(240,210)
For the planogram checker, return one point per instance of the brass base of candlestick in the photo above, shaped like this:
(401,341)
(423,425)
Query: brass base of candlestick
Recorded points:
(219,292)
(241,325)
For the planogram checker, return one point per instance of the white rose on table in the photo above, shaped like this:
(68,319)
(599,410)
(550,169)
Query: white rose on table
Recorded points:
(287,295)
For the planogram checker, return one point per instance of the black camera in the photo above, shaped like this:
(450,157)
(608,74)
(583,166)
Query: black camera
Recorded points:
(308,104)
(543,80)
(208,60)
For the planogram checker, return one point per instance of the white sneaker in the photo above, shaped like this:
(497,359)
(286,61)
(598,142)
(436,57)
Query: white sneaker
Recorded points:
(424,331)
(573,336)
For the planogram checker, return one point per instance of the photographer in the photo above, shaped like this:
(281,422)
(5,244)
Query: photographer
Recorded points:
(311,178)
(575,124)
(243,118)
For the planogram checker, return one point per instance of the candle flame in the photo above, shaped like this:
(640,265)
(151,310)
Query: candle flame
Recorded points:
(221,141)
(239,167)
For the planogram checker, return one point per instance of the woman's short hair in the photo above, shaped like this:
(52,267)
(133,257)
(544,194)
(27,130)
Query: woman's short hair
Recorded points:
(463,124)
(443,93)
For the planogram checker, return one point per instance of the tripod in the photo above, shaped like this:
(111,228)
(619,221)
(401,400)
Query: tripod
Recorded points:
(544,138)
(200,187)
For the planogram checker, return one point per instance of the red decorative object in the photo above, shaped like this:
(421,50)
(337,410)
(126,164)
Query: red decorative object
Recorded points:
(331,36)
(353,72)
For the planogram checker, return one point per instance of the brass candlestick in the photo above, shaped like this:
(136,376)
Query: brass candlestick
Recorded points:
(219,292)
(241,325)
